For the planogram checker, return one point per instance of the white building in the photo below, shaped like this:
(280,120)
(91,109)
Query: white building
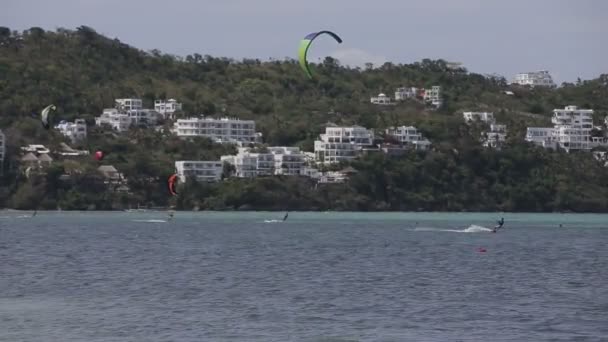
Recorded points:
(128,104)
(535,79)
(220,130)
(288,160)
(249,164)
(433,96)
(496,136)
(203,171)
(143,117)
(541,136)
(167,108)
(404,93)
(571,130)
(409,135)
(381,99)
(341,143)
(481,116)
(75,131)
(113,117)
(36,149)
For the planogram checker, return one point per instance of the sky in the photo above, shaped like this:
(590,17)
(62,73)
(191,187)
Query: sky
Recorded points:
(504,37)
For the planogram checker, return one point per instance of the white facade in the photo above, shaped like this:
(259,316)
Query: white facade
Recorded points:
(402,94)
(433,96)
(482,116)
(409,135)
(496,136)
(288,160)
(128,104)
(571,130)
(203,171)
(381,99)
(75,131)
(219,130)
(538,78)
(2,148)
(143,117)
(249,165)
(341,143)
(541,136)
(167,108)
(116,119)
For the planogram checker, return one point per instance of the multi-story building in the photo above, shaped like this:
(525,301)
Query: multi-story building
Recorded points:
(75,131)
(409,135)
(143,117)
(481,116)
(167,108)
(571,130)
(538,78)
(249,164)
(116,119)
(341,143)
(381,99)
(433,96)
(496,136)
(203,171)
(128,104)
(541,136)
(288,160)
(404,93)
(220,130)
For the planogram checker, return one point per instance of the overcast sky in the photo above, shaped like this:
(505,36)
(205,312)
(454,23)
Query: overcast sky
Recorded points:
(567,37)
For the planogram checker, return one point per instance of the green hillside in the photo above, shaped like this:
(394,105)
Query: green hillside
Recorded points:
(82,72)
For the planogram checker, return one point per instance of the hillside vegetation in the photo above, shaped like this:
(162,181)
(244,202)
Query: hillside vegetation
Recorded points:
(82,72)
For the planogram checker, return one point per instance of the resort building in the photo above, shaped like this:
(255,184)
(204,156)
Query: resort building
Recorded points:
(167,108)
(341,143)
(381,99)
(409,135)
(75,131)
(433,96)
(202,171)
(224,130)
(481,116)
(119,121)
(535,79)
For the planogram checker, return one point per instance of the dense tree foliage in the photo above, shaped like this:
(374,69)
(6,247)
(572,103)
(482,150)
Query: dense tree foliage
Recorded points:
(82,72)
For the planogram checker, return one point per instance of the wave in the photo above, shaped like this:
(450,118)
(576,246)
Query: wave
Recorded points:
(470,229)
(272,221)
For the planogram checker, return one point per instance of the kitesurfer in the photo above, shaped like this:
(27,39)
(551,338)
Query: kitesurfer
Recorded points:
(501,222)
(286,215)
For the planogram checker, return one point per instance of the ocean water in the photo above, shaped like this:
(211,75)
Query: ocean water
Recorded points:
(315,277)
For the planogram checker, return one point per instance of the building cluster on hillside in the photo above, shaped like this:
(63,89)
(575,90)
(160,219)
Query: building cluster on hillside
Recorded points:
(223,130)
(130,112)
(572,130)
(497,134)
(432,96)
(540,78)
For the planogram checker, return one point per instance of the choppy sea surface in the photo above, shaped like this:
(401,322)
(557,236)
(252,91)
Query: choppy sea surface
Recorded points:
(207,276)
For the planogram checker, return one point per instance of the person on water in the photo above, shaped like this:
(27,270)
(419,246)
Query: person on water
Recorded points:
(500,224)
(286,215)
(170,216)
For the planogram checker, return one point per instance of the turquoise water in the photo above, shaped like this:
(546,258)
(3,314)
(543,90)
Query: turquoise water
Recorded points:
(217,276)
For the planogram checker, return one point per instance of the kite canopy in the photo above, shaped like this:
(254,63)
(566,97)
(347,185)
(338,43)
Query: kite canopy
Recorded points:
(305,45)
(172,183)
(99,155)
(44,116)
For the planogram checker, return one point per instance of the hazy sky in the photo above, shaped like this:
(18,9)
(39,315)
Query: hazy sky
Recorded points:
(567,37)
